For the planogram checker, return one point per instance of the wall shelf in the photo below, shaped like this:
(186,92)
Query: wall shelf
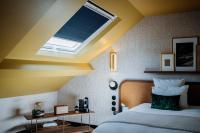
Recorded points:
(158,71)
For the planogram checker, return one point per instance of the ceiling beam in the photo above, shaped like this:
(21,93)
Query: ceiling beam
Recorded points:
(22,68)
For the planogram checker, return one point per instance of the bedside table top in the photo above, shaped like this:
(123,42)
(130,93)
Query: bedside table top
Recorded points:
(51,115)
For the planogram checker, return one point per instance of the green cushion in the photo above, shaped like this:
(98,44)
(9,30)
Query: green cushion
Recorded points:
(165,102)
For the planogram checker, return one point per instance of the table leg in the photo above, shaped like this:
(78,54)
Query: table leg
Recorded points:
(31,125)
(36,127)
(57,126)
(63,123)
(81,120)
(89,122)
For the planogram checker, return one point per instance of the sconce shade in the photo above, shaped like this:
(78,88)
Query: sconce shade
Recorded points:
(113,61)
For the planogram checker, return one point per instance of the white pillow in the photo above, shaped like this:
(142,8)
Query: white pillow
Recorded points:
(184,99)
(169,91)
(172,91)
(168,82)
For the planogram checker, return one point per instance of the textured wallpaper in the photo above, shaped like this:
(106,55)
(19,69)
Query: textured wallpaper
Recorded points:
(139,48)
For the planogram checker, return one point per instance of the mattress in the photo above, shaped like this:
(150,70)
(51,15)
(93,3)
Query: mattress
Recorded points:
(146,108)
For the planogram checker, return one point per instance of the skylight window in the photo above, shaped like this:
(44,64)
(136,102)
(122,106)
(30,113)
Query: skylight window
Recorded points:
(82,28)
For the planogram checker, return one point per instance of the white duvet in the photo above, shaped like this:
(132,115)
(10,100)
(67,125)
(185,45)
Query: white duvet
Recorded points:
(146,108)
(192,111)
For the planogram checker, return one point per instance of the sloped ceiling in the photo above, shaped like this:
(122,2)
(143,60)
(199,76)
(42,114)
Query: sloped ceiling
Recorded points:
(18,86)
(160,7)
(17,18)
(27,25)
(62,10)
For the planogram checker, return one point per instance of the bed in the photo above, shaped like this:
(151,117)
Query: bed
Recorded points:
(141,118)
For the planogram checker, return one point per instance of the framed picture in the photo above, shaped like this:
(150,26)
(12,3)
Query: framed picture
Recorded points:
(167,61)
(185,53)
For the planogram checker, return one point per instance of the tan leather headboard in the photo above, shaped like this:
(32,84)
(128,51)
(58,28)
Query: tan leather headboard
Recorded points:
(135,92)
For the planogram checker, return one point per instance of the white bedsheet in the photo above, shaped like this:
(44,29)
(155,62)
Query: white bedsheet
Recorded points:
(146,108)
(192,111)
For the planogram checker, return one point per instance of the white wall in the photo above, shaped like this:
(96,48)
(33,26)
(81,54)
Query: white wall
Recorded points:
(137,49)
(25,104)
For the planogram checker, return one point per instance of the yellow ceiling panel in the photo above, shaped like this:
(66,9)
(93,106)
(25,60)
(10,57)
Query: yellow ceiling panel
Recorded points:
(160,7)
(17,18)
(60,12)
(19,68)
(19,86)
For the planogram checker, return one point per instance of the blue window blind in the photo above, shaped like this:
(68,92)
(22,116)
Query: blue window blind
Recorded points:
(79,30)
(82,25)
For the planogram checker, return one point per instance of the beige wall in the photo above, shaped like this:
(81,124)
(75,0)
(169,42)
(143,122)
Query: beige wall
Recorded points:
(13,109)
(137,49)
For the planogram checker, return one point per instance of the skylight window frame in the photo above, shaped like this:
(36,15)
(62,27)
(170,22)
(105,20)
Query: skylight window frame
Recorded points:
(54,47)
(90,5)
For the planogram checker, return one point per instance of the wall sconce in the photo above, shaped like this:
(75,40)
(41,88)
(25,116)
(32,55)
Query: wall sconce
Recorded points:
(113,61)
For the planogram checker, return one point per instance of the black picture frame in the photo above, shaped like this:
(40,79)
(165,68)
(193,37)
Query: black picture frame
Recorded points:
(184,49)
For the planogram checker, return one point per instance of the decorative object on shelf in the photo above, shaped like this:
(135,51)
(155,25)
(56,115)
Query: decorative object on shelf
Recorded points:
(185,53)
(167,62)
(113,61)
(60,109)
(113,85)
(198,57)
(38,110)
(84,105)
